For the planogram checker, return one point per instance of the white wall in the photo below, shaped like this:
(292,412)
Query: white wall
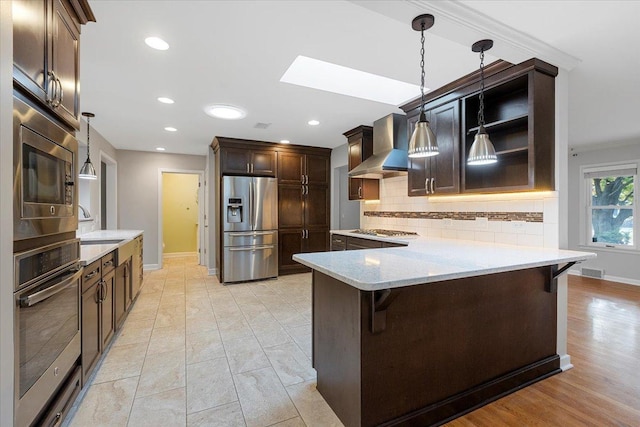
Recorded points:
(138,194)
(339,157)
(6,215)
(617,265)
(89,190)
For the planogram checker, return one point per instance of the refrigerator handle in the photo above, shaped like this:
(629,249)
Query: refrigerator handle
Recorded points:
(251,207)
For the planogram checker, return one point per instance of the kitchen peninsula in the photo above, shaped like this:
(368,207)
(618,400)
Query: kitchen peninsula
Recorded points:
(421,334)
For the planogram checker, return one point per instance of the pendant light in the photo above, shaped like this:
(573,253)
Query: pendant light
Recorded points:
(423,141)
(88,171)
(482,151)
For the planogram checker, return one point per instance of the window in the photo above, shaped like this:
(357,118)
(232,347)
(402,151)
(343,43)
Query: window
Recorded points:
(611,206)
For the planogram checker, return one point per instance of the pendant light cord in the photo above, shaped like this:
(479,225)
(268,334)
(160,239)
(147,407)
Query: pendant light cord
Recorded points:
(481,109)
(422,70)
(88,138)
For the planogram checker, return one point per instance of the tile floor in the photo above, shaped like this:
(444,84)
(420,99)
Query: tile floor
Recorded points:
(193,352)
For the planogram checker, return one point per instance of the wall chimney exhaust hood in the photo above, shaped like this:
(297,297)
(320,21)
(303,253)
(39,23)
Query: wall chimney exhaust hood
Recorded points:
(389,149)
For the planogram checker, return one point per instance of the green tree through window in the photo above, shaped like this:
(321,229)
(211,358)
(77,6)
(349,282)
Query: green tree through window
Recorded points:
(612,204)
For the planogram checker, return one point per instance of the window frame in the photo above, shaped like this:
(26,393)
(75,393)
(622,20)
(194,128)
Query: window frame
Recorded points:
(608,169)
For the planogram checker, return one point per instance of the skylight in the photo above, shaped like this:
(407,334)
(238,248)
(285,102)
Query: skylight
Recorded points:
(316,74)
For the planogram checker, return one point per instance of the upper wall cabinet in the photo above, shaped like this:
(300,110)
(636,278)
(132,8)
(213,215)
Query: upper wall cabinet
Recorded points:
(360,142)
(242,161)
(46,49)
(438,174)
(520,120)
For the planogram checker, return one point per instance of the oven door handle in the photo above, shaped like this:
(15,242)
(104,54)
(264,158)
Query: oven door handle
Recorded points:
(42,295)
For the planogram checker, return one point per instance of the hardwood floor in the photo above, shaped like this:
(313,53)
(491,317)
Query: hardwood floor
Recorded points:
(603,388)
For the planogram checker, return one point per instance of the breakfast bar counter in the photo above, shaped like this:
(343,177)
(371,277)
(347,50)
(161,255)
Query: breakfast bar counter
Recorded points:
(421,334)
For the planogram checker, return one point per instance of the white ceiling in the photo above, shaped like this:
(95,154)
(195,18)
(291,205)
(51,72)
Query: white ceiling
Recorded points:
(235,52)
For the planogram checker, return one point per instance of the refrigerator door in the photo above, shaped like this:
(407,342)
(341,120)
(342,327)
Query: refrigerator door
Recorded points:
(236,203)
(264,204)
(250,262)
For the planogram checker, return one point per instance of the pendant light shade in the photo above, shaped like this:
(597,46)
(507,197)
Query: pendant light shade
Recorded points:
(482,151)
(423,141)
(88,171)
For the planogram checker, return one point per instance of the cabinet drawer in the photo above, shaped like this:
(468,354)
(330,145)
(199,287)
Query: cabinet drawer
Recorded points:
(338,242)
(59,409)
(354,243)
(91,274)
(108,263)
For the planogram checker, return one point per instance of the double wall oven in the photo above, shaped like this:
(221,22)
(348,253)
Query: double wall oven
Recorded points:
(46,266)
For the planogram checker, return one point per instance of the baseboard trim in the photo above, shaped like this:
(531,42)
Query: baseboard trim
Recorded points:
(178,254)
(151,267)
(465,402)
(609,278)
(565,362)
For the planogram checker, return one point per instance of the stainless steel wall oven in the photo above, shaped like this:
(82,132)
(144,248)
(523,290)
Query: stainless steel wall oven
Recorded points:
(47,324)
(45,200)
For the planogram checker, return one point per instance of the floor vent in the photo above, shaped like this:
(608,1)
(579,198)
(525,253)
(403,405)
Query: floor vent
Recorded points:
(598,273)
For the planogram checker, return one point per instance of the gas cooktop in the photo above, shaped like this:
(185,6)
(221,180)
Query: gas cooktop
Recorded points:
(384,233)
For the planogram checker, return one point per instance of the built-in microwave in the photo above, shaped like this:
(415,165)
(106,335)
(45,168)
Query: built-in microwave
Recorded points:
(44,162)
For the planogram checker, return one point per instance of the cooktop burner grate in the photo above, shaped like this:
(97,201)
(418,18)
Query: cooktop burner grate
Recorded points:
(384,233)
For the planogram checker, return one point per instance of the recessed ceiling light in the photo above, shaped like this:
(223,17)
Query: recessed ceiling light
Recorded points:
(285,141)
(165,100)
(227,112)
(316,74)
(170,129)
(160,149)
(156,43)
(313,122)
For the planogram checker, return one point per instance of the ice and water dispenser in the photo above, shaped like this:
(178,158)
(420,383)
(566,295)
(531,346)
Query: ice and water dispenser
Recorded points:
(234,210)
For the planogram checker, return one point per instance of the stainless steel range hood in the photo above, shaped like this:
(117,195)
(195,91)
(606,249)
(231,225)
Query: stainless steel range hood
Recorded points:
(389,149)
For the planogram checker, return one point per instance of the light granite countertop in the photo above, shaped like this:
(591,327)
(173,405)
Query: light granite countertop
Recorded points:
(90,253)
(429,259)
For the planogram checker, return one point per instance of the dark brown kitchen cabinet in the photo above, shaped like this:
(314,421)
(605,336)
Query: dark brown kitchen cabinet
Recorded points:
(137,267)
(439,174)
(338,242)
(46,64)
(303,205)
(241,161)
(519,118)
(97,311)
(360,148)
(122,298)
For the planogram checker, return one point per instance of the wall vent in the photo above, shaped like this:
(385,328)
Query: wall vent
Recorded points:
(597,273)
(260,125)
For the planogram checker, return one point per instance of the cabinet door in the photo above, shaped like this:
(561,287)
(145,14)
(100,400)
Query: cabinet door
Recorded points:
(263,163)
(444,168)
(65,63)
(355,153)
(317,240)
(317,169)
(30,47)
(235,161)
(107,314)
(316,207)
(417,178)
(290,168)
(338,242)
(120,294)
(90,327)
(355,188)
(289,243)
(291,212)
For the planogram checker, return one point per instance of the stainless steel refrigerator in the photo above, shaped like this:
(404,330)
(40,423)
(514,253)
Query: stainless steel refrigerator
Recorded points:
(250,228)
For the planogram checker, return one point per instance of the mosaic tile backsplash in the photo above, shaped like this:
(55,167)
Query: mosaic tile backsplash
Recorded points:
(525,219)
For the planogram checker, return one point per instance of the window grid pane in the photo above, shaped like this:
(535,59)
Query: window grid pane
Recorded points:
(612,209)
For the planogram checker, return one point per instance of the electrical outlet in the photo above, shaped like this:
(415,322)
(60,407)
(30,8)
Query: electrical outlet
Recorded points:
(518,225)
(482,223)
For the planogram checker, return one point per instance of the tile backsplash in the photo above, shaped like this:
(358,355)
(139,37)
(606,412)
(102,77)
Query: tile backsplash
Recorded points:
(527,219)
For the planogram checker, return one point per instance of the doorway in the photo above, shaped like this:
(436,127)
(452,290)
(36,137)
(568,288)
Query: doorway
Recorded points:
(180,214)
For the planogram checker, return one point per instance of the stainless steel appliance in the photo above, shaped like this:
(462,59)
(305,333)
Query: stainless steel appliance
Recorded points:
(250,230)
(45,199)
(46,323)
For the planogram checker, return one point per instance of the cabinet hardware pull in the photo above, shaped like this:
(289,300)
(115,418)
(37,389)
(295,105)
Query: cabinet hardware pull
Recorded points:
(50,87)
(303,234)
(106,289)
(61,94)
(426,185)
(90,275)
(251,167)
(108,263)
(433,186)
(360,192)
(248,168)
(306,179)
